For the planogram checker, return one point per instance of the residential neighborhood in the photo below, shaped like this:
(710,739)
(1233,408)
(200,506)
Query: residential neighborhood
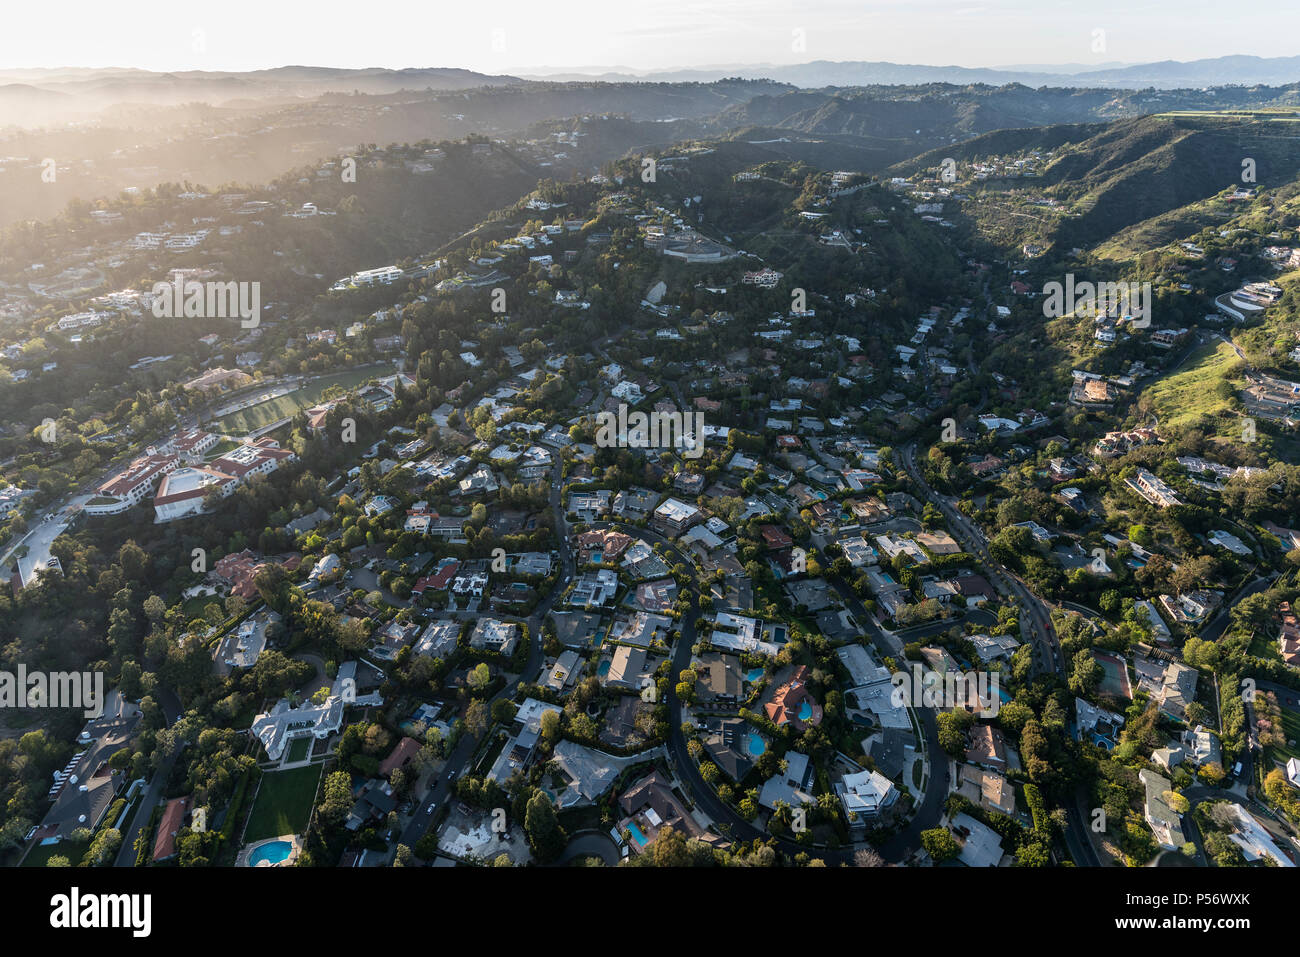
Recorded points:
(837,469)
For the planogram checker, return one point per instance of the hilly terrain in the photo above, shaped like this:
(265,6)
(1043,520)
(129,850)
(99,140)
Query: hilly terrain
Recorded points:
(1081,186)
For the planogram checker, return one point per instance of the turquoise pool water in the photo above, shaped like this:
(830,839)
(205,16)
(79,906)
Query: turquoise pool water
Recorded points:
(602,669)
(805,711)
(753,674)
(597,557)
(755,745)
(272,853)
(636,833)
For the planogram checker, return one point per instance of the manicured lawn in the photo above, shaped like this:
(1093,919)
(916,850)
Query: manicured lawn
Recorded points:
(1278,754)
(72,850)
(299,749)
(193,607)
(285,406)
(1264,645)
(284,803)
(1291,726)
(490,755)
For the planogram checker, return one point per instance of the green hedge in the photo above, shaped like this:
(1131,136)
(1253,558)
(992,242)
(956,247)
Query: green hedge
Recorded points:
(236,805)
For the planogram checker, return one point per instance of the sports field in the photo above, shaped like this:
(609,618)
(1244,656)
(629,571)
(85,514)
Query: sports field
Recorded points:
(286,406)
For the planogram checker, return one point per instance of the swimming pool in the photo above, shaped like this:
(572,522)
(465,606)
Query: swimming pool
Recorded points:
(805,711)
(755,745)
(602,669)
(753,674)
(636,833)
(272,852)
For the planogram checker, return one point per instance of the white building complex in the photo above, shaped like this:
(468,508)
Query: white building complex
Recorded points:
(182,492)
(283,723)
(131,485)
(369,277)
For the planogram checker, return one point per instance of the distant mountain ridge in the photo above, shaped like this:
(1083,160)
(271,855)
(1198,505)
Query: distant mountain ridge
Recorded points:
(306,79)
(1165,74)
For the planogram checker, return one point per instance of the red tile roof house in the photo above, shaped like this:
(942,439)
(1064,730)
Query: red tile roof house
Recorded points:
(774,537)
(825,513)
(439,580)
(788,703)
(317,415)
(607,542)
(1289,638)
(402,755)
(986,748)
(164,845)
(986,466)
(239,570)
(974,586)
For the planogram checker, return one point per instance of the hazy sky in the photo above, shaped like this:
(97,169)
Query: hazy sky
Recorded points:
(513,36)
